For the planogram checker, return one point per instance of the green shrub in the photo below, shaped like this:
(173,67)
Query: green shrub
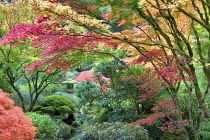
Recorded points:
(71,97)
(57,101)
(56,105)
(47,129)
(123,112)
(48,109)
(113,131)
(64,111)
(36,108)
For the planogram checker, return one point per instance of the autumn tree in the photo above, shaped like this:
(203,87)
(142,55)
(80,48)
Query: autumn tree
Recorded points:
(167,35)
(9,17)
(62,38)
(14,61)
(14,125)
(164,36)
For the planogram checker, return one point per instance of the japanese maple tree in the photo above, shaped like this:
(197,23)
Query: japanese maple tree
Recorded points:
(163,36)
(14,125)
(14,61)
(171,28)
(55,35)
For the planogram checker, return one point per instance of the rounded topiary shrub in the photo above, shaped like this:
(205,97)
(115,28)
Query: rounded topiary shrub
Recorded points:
(56,105)
(113,131)
(48,109)
(71,97)
(63,110)
(57,101)
(36,108)
(47,129)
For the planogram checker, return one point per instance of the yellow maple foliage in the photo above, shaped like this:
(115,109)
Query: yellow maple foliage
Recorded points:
(15,13)
(69,13)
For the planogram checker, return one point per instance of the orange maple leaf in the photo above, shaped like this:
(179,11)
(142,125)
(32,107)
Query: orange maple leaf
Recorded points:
(121,22)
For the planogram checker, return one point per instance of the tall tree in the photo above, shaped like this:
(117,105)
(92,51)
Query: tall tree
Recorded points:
(14,61)
(164,36)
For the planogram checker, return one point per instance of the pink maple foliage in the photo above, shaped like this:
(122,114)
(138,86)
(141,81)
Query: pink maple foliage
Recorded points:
(89,76)
(90,7)
(86,75)
(168,105)
(14,125)
(164,75)
(149,120)
(169,126)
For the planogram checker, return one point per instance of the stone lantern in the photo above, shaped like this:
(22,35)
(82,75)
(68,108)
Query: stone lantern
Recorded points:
(69,86)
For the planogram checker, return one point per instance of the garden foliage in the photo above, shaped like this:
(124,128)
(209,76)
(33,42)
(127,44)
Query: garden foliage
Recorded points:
(46,127)
(14,125)
(57,106)
(113,131)
(71,97)
(169,38)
